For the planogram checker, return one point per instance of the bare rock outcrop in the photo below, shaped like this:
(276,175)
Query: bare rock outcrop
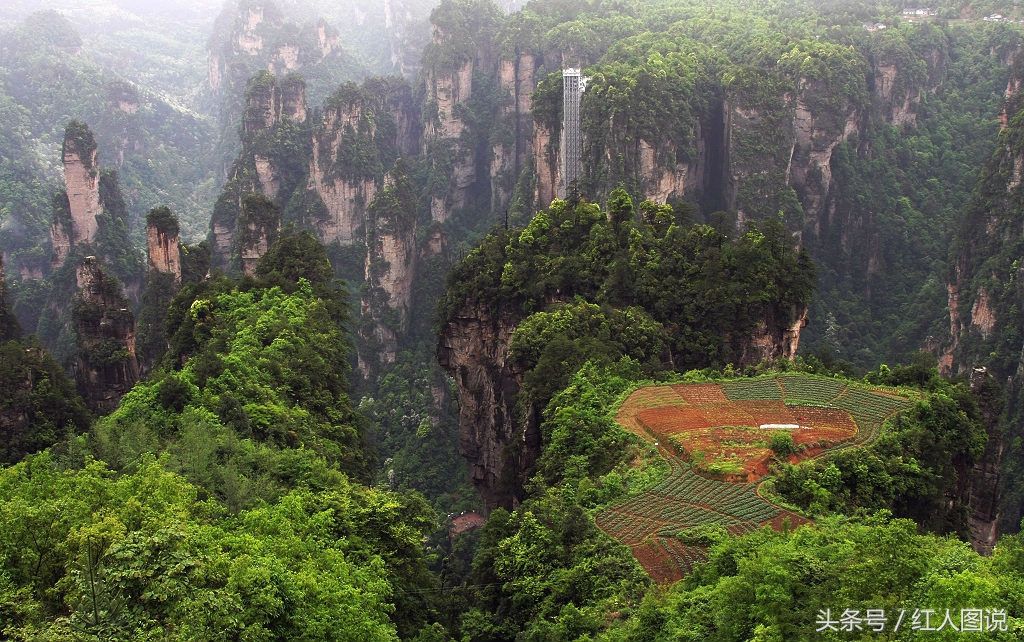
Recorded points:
(473,349)
(75,217)
(363,131)
(9,327)
(105,366)
(546,151)
(87,193)
(163,243)
(390,270)
(775,337)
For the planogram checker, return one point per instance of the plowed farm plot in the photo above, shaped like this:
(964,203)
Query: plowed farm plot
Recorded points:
(716,438)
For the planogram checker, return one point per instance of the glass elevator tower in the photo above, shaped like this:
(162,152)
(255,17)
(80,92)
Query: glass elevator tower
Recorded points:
(573,86)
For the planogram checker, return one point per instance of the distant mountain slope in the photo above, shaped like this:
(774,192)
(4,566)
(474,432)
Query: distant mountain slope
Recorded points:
(160,149)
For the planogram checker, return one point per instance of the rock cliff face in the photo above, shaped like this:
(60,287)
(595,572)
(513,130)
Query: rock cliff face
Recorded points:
(126,135)
(163,280)
(82,179)
(476,114)
(390,271)
(275,135)
(270,101)
(983,483)
(502,444)
(546,161)
(61,230)
(105,366)
(163,247)
(321,173)
(75,220)
(77,228)
(363,130)
(473,349)
(340,175)
(984,293)
(777,336)
(9,328)
(402,19)
(240,34)
(447,91)
(796,132)
(259,224)
(512,150)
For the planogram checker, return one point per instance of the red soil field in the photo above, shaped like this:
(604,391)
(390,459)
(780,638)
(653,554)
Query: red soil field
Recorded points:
(707,427)
(697,422)
(701,393)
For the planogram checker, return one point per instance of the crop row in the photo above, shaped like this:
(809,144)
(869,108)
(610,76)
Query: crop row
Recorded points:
(653,397)
(869,410)
(802,389)
(701,393)
(683,557)
(686,489)
(628,527)
(752,389)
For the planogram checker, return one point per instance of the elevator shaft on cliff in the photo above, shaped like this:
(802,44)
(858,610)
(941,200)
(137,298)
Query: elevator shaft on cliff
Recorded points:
(573,86)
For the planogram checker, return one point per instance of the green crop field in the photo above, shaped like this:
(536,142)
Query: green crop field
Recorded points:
(649,523)
(752,389)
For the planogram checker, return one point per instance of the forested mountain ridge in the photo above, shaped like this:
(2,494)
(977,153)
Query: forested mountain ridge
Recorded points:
(255,501)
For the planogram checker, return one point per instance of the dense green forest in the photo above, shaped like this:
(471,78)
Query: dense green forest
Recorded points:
(239,462)
(303,335)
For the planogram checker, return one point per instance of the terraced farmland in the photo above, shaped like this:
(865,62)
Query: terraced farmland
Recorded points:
(701,423)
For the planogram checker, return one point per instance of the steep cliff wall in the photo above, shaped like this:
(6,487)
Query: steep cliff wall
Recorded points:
(163,280)
(512,138)
(61,230)
(9,327)
(105,366)
(364,129)
(546,149)
(259,224)
(90,215)
(473,349)
(163,243)
(465,97)
(275,147)
(390,271)
(271,100)
(984,294)
(447,92)
(76,223)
